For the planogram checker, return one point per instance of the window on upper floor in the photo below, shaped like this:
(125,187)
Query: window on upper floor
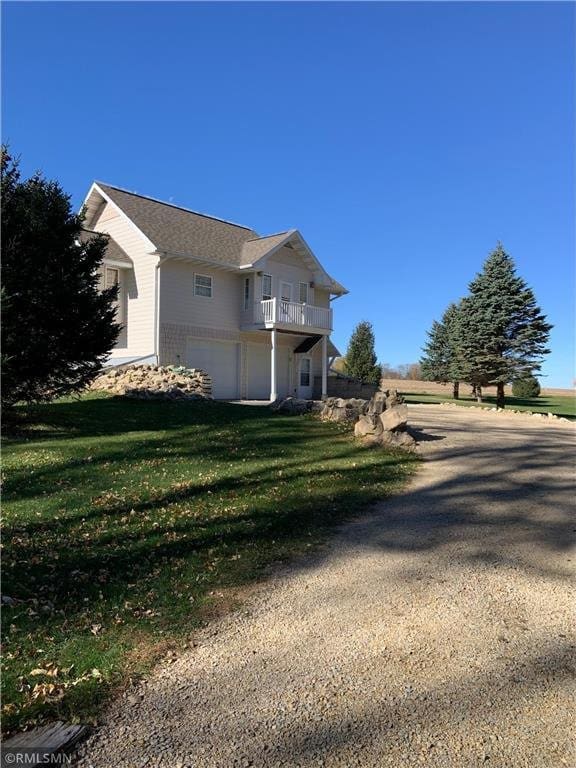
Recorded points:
(111,279)
(246,293)
(266,287)
(303,295)
(203,286)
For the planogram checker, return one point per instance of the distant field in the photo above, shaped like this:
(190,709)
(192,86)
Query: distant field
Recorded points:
(429,387)
(561,402)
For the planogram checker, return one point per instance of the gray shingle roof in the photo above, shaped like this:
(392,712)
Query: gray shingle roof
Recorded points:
(181,231)
(254,249)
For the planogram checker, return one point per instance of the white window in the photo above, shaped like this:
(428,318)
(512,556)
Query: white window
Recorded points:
(305,372)
(203,286)
(266,287)
(303,293)
(111,279)
(246,293)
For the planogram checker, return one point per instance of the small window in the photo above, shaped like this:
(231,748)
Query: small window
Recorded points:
(303,293)
(203,286)
(246,293)
(112,277)
(305,372)
(266,287)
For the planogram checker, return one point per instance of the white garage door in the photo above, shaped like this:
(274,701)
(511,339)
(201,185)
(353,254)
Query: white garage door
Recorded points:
(220,360)
(258,371)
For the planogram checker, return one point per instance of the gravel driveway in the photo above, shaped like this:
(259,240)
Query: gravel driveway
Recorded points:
(434,631)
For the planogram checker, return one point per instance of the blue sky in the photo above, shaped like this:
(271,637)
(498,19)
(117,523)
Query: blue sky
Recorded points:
(402,139)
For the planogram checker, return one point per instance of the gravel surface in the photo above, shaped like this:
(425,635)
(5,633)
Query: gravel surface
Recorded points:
(437,630)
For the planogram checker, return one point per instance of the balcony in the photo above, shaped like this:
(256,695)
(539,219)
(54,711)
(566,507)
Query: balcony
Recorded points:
(292,316)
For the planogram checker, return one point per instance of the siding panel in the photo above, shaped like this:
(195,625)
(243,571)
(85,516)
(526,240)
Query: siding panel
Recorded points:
(138,285)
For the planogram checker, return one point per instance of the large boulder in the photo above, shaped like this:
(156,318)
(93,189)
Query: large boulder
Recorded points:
(340,409)
(393,398)
(397,440)
(394,418)
(377,404)
(367,426)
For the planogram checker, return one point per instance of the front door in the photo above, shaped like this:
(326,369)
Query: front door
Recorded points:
(305,378)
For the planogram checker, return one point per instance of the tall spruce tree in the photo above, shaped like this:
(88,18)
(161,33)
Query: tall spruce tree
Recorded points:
(360,357)
(57,325)
(503,332)
(441,360)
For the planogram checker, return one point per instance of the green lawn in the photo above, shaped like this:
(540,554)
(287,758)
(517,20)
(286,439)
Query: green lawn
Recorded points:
(559,405)
(128,524)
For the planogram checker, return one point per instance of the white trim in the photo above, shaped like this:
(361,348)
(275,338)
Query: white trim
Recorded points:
(95,187)
(157,307)
(206,277)
(117,264)
(324,367)
(266,274)
(307,286)
(178,256)
(246,294)
(294,234)
(273,367)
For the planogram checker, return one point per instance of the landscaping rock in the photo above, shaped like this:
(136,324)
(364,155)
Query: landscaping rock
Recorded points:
(395,417)
(339,409)
(398,439)
(147,382)
(366,426)
(377,404)
(292,406)
(379,421)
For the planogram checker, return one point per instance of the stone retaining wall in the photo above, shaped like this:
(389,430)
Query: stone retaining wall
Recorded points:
(382,420)
(152,382)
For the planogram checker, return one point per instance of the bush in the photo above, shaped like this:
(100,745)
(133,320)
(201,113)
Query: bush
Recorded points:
(527,387)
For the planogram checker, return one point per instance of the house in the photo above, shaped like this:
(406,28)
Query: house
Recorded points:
(254,312)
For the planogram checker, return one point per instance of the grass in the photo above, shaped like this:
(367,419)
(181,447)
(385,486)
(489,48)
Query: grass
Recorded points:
(560,405)
(128,524)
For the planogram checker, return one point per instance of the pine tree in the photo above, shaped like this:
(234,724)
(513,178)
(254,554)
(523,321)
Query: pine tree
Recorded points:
(57,326)
(441,360)
(360,356)
(503,331)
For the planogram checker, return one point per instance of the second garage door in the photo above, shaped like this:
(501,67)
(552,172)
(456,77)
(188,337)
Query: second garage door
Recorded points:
(258,371)
(220,361)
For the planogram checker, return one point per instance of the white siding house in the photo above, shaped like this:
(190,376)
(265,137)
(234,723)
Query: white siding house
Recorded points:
(253,312)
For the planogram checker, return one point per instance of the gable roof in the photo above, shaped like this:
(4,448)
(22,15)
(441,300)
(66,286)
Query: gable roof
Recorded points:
(113,251)
(182,232)
(255,249)
(178,230)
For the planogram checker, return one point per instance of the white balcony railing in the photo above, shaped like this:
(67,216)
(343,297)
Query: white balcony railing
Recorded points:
(279,312)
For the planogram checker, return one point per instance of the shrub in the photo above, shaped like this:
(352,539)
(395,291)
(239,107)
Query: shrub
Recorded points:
(526,387)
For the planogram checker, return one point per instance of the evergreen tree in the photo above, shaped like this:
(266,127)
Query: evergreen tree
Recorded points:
(526,388)
(503,333)
(360,356)
(441,360)
(57,326)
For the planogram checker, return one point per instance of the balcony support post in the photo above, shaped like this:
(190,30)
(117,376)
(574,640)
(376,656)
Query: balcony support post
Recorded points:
(324,366)
(273,370)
